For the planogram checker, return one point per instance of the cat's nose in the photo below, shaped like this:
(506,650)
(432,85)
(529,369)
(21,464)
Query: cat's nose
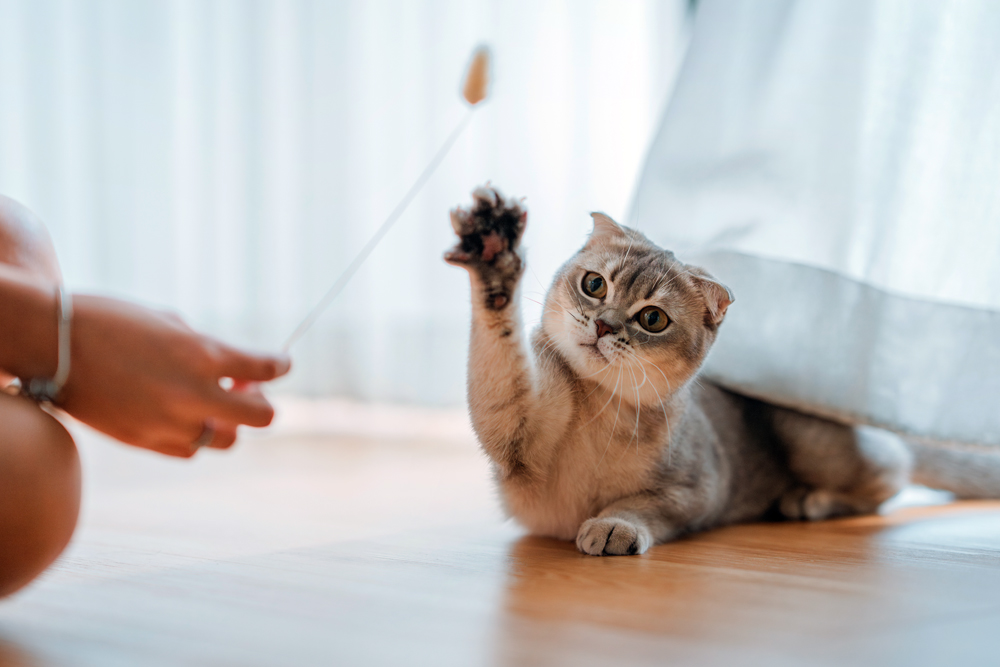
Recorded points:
(603,328)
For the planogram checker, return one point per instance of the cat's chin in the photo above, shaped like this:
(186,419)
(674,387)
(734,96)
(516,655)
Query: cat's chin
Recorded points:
(586,360)
(593,352)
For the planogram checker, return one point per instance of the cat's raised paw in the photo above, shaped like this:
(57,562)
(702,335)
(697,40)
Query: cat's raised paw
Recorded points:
(489,234)
(611,536)
(488,229)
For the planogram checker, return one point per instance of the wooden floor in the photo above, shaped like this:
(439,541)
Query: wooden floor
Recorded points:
(385,547)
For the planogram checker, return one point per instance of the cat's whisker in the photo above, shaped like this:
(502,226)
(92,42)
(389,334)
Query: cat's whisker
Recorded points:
(615,424)
(598,383)
(537,279)
(678,274)
(586,377)
(610,398)
(638,401)
(552,310)
(627,250)
(550,345)
(645,377)
(546,308)
(638,408)
(642,360)
(660,398)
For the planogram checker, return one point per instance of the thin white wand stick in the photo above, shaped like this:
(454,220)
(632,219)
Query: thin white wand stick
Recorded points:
(397,212)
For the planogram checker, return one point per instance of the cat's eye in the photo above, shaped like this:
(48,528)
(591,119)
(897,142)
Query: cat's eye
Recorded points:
(594,285)
(653,319)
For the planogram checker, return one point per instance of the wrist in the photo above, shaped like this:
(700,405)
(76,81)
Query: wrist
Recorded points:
(29,336)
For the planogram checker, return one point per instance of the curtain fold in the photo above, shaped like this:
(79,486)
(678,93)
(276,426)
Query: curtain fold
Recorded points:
(836,162)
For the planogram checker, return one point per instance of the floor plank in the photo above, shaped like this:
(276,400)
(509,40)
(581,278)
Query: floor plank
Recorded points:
(314,549)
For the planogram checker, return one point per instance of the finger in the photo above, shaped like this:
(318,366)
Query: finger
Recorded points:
(176,448)
(225,435)
(246,406)
(215,433)
(241,365)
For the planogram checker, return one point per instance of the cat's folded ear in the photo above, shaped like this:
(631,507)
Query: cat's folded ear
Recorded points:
(605,229)
(718,297)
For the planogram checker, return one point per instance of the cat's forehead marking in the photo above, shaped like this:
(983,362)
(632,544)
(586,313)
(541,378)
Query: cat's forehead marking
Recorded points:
(642,272)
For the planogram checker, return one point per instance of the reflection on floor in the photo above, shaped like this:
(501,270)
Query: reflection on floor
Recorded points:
(383,545)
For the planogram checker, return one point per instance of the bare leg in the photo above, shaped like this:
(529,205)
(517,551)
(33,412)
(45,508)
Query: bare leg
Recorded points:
(39,466)
(842,470)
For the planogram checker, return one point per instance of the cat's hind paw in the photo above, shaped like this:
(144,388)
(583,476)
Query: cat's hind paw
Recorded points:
(805,504)
(611,536)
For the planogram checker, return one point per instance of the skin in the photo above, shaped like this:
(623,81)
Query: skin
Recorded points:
(139,375)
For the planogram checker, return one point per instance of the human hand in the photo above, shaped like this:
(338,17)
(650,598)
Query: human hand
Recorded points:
(144,377)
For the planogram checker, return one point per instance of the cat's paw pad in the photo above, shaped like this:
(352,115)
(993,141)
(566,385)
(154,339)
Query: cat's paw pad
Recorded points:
(489,231)
(811,504)
(612,536)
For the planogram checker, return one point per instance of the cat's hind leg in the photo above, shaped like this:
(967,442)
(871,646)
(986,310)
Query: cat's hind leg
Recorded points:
(841,470)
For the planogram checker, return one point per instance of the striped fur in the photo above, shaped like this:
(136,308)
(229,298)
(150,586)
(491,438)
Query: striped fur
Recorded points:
(611,440)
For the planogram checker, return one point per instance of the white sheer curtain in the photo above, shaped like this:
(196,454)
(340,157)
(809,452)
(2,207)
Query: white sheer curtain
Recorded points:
(838,164)
(226,158)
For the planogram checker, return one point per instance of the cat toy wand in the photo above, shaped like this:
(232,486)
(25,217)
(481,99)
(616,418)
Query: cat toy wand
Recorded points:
(475,90)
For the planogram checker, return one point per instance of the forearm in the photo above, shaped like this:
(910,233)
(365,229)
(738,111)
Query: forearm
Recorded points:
(28,325)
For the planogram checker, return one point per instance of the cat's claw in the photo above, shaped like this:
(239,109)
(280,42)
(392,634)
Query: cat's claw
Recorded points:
(611,536)
(489,234)
(488,229)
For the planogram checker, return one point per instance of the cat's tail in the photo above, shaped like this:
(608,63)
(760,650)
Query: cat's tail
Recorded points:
(965,470)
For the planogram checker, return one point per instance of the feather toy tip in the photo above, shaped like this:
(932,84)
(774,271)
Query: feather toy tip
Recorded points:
(477,77)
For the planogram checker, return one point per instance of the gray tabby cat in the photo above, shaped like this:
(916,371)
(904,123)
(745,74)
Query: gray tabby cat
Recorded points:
(604,433)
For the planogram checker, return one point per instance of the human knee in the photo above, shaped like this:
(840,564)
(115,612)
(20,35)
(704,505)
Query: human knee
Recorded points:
(39,491)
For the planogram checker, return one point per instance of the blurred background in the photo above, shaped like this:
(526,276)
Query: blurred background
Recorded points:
(227,159)
(833,161)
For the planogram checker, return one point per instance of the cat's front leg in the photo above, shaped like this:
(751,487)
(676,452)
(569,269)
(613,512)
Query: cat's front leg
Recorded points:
(502,395)
(627,527)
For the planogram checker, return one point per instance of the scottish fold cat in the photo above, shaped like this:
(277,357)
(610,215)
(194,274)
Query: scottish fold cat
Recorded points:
(599,428)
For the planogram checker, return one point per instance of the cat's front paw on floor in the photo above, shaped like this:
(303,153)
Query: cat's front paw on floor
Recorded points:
(612,537)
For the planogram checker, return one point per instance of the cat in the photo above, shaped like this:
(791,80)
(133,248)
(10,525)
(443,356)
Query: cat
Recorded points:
(605,434)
